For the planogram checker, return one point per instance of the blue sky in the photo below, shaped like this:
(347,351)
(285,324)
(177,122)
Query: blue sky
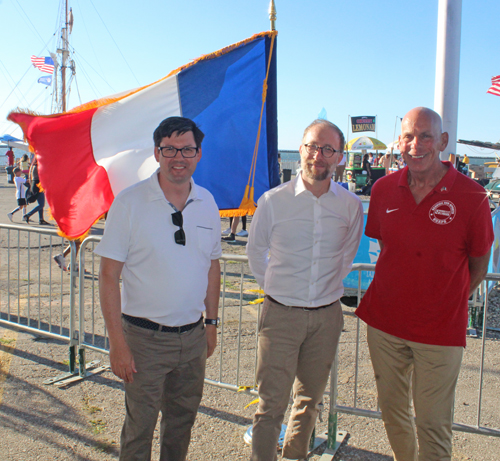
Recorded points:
(351,58)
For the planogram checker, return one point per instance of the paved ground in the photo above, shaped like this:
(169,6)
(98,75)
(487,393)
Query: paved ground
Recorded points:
(83,421)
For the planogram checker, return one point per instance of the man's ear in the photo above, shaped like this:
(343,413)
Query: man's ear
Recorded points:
(444,141)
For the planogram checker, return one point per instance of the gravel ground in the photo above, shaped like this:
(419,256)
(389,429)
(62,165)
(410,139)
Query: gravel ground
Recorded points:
(83,421)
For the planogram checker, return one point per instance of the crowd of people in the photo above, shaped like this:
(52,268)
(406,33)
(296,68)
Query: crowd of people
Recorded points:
(435,234)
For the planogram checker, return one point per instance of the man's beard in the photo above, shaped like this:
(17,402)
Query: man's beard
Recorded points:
(308,170)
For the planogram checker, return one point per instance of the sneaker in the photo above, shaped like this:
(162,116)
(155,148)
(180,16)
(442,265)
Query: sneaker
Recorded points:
(231,238)
(227,231)
(9,215)
(26,218)
(44,223)
(242,233)
(61,261)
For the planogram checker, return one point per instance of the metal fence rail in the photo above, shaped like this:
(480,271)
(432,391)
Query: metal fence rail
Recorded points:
(35,296)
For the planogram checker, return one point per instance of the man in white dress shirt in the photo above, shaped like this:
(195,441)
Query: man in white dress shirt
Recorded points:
(302,243)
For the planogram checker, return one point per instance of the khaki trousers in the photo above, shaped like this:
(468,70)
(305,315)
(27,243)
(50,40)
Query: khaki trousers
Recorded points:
(428,372)
(296,347)
(170,375)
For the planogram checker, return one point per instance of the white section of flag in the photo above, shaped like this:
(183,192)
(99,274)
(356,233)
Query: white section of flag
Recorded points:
(122,132)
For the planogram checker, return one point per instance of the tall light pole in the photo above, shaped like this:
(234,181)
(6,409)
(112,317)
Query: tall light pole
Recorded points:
(448,70)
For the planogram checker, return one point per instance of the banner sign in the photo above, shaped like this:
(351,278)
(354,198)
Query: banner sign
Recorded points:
(363,123)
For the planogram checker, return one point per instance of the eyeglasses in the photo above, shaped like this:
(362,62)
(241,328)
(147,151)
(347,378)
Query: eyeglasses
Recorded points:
(327,151)
(171,152)
(179,236)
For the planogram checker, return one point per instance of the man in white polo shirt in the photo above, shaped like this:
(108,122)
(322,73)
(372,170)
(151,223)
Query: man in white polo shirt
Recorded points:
(303,240)
(163,237)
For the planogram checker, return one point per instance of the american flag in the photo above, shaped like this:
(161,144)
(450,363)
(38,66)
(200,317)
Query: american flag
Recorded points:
(495,86)
(45,64)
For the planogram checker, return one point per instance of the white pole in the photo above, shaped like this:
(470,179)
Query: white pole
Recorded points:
(448,69)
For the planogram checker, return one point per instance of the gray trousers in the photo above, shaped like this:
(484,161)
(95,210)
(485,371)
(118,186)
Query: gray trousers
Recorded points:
(170,375)
(296,348)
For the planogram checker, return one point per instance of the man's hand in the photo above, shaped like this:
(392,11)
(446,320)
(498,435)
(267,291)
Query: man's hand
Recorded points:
(211,332)
(122,362)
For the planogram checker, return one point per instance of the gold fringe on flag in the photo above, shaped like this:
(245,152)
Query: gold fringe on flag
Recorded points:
(248,205)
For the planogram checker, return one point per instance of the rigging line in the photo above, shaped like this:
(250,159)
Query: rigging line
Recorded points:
(29,20)
(75,54)
(126,62)
(89,39)
(13,89)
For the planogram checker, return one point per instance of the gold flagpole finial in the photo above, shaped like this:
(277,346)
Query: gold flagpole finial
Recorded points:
(272,14)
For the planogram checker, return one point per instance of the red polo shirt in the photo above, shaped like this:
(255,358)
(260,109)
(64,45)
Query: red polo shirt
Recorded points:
(421,284)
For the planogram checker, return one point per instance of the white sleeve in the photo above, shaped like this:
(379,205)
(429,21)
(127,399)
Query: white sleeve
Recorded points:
(352,242)
(116,239)
(259,239)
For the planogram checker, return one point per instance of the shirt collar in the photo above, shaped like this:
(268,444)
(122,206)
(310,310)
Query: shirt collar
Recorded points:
(155,192)
(443,187)
(299,186)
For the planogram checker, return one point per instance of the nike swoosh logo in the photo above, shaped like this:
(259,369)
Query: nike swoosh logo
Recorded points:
(390,211)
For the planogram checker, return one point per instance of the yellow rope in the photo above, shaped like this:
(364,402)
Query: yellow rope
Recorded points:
(248,203)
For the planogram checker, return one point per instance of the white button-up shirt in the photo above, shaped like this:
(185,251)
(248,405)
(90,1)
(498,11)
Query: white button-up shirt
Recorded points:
(300,247)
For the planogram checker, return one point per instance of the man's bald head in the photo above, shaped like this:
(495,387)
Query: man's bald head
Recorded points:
(424,112)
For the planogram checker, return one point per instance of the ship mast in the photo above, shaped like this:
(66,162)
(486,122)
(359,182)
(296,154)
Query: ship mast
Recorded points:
(66,63)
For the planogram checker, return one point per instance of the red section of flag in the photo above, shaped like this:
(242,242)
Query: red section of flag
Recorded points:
(45,64)
(495,86)
(76,187)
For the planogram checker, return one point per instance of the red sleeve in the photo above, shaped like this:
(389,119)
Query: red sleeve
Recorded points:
(480,234)
(372,228)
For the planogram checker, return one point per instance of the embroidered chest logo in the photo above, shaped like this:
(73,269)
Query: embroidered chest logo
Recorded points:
(443,212)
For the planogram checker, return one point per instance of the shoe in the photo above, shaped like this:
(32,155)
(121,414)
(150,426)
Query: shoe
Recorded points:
(9,215)
(227,231)
(43,223)
(61,261)
(26,218)
(242,233)
(231,238)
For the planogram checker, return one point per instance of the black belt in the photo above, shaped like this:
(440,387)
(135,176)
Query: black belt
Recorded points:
(150,325)
(299,307)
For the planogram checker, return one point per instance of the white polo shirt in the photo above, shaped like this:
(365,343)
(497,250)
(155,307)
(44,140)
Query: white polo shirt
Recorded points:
(162,281)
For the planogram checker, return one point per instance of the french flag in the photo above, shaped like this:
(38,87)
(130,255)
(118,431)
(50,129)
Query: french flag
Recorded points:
(88,155)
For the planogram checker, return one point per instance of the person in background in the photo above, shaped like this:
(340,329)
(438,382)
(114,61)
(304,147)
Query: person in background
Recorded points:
(162,238)
(20,193)
(10,157)
(233,227)
(304,236)
(24,165)
(435,233)
(34,181)
(339,170)
(386,163)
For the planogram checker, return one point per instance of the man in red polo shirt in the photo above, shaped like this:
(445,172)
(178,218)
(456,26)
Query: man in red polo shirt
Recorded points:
(435,233)
(10,156)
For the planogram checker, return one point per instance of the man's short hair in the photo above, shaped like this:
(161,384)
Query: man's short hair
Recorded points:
(16,169)
(321,121)
(180,125)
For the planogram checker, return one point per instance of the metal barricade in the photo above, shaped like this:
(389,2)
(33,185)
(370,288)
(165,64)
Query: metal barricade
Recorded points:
(55,313)
(364,381)
(36,296)
(234,361)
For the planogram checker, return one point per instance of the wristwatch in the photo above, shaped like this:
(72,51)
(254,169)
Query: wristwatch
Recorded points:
(215,322)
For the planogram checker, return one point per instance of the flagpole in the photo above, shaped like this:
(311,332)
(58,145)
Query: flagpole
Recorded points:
(272,14)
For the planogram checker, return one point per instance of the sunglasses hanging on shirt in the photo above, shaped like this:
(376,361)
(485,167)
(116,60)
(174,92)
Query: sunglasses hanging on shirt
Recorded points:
(179,236)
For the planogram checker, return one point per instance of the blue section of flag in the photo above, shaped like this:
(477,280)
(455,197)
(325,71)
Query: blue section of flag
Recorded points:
(49,60)
(46,80)
(223,95)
